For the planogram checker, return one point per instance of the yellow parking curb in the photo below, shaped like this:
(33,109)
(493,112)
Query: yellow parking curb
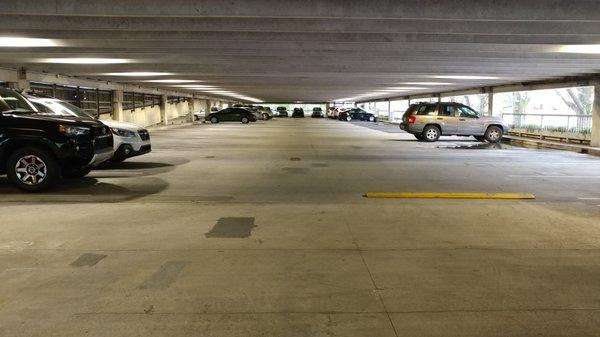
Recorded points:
(422,195)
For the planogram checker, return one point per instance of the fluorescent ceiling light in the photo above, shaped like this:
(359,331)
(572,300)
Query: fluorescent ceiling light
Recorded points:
(426,83)
(138,74)
(196,86)
(404,88)
(580,49)
(26,42)
(465,77)
(85,60)
(173,81)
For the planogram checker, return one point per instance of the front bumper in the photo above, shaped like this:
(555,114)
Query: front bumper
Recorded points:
(125,151)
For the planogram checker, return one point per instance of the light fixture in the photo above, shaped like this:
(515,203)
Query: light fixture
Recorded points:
(84,60)
(403,88)
(173,81)
(138,74)
(426,83)
(6,41)
(465,77)
(580,49)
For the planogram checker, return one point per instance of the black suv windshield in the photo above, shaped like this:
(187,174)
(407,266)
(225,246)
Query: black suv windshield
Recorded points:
(13,101)
(56,107)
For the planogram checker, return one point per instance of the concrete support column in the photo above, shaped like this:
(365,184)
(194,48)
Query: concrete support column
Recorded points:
(595,140)
(490,103)
(164,117)
(117,105)
(389,110)
(191,110)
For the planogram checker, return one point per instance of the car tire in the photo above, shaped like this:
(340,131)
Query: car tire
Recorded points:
(265,117)
(480,138)
(245,120)
(493,134)
(214,120)
(371,118)
(31,158)
(348,118)
(78,173)
(431,133)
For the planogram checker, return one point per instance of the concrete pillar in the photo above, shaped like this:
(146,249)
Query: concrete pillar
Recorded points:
(389,110)
(191,110)
(164,117)
(117,105)
(595,140)
(491,103)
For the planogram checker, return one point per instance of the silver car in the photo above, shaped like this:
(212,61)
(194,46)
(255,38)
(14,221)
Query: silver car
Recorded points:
(429,121)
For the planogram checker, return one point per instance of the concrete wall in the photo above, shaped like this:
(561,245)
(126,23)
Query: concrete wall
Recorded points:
(143,116)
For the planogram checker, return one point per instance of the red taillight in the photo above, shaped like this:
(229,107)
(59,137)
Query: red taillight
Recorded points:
(412,119)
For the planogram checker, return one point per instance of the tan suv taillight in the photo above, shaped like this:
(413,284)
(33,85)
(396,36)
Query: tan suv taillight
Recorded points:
(412,119)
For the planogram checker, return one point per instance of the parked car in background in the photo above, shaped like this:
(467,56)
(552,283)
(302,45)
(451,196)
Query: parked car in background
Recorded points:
(199,115)
(129,140)
(334,113)
(37,148)
(357,114)
(298,113)
(214,109)
(317,112)
(265,112)
(282,111)
(231,115)
(429,121)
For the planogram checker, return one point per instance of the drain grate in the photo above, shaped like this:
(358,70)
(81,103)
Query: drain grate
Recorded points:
(232,228)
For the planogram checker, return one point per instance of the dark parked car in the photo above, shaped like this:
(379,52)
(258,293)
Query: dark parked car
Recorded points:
(282,111)
(317,113)
(357,114)
(231,115)
(298,113)
(36,149)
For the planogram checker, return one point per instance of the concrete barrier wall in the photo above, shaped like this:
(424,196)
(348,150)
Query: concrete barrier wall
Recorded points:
(177,109)
(143,117)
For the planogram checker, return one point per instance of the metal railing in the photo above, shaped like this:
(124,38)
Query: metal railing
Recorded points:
(549,122)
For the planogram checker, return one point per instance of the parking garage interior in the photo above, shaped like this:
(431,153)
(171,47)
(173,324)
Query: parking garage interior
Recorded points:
(307,226)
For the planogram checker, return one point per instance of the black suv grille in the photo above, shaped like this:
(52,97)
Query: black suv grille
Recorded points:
(102,138)
(144,135)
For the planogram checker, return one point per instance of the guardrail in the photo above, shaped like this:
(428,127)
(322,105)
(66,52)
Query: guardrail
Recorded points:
(549,122)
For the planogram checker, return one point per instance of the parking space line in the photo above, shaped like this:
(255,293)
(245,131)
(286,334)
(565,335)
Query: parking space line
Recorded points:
(435,195)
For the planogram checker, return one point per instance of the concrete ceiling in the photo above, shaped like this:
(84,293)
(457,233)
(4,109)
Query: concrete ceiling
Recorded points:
(310,50)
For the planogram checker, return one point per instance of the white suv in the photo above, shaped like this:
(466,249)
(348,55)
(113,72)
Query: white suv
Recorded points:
(129,140)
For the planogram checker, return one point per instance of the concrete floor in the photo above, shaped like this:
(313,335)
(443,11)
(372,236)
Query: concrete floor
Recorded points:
(152,246)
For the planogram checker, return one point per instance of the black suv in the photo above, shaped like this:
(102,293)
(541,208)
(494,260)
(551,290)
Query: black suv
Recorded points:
(317,113)
(298,113)
(36,149)
(282,111)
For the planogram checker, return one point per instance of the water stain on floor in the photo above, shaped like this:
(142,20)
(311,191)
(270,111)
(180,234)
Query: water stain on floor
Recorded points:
(295,170)
(232,227)
(165,275)
(88,260)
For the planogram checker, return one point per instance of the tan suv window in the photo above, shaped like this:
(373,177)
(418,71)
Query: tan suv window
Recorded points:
(448,110)
(426,109)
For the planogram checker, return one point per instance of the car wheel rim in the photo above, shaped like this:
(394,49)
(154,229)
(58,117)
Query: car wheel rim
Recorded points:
(371,119)
(31,170)
(431,134)
(494,135)
(213,120)
(244,120)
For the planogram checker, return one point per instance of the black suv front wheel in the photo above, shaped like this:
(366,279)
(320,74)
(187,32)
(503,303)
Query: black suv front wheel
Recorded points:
(32,169)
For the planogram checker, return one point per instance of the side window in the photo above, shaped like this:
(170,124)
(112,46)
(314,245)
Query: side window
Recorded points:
(448,110)
(467,112)
(426,109)
(41,108)
(227,111)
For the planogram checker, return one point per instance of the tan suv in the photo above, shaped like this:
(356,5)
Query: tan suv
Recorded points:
(429,121)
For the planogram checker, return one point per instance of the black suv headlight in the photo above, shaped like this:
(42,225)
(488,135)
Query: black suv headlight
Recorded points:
(122,132)
(72,130)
